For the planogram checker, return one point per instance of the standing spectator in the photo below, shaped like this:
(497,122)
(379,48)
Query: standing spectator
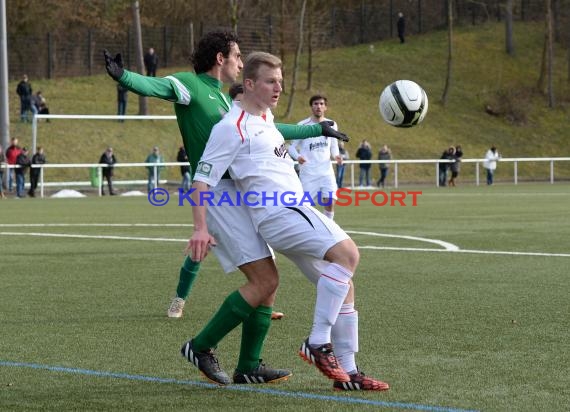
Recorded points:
(122,92)
(24,90)
(401,26)
(384,154)
(491,158)
(108,158)
(151,62)
(448,154)
(314,156)
(37,159)
(24,162)
(236,92)
(153,171)
(2,168)
(455,166)
(184,170)
(340,167)
(364,152)
(12,153)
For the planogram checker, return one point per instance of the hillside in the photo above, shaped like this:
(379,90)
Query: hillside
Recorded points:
(352,78)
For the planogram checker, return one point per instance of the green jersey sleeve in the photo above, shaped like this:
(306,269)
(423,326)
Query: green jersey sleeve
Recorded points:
(160,87)
(297,132)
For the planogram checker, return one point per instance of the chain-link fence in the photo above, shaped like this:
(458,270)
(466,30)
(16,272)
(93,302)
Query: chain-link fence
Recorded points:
(79,53)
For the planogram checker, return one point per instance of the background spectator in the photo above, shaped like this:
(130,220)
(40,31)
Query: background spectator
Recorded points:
(491,158)
(184,170)
(24,162)
(24,90)
(401,26)
(151,62)
(37,159)
(384,154)
(456,166)
(364,152)
(154,171)
(121,100)
(40,103)
(448,154)
(343,153)
(2,168)
(12,153)
(108,158)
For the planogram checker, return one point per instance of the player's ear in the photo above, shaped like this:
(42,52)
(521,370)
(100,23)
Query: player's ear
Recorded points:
(248,83)
(220,58)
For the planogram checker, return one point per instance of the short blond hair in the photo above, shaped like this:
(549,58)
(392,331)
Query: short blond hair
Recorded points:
(255,60)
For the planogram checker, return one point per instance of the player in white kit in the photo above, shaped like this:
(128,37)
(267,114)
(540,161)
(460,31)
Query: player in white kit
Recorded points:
(247,144)
(314,157)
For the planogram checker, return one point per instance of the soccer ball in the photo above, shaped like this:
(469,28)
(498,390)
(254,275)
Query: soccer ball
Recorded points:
(403,104)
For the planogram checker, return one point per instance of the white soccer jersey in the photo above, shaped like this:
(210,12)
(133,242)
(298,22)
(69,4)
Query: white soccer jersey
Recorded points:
(317,152)
(253,151)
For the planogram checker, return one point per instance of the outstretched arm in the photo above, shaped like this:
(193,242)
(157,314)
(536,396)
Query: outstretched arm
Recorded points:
(163,88)
(295,131)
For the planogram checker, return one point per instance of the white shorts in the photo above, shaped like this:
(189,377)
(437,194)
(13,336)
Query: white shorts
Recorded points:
(325,184)
(232,227)
(300,230)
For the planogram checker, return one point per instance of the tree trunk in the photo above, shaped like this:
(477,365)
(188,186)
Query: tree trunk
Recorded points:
(297,58)
(310,53)
(143,109)
(282,40)
(510,46)
(234,15)
(450,52)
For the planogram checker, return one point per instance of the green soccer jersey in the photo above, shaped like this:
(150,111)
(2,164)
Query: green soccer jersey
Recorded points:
(199,104)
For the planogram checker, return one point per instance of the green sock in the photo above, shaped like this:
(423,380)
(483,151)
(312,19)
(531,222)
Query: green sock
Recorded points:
(233,311)
(254,331)
(188,273)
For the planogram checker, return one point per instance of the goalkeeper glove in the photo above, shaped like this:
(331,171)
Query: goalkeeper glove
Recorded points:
(114,66)
(328,131)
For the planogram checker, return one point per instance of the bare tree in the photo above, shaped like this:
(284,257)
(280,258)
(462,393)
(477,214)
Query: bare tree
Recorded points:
(143,108)
(310,53)
(450,52)
(510,46)
(234,14)
(297,58)
(544,83)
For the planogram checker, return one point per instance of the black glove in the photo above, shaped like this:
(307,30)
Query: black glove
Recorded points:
(114,66)
(328,131)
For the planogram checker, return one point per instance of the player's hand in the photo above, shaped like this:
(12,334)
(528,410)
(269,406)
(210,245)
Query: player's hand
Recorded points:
(114,65)
(328,131)
(199,245)
(301,160)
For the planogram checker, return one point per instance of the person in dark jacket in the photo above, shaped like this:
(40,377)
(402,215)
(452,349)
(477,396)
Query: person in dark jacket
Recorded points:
(108,158)
(364,152)
(38,158)
(151,62)
(184,170)
(24,90)
(448,154)
(455,167)
(401,26)
(24,162)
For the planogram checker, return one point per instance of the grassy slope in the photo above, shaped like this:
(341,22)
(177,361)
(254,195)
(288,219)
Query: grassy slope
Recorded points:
(352,78)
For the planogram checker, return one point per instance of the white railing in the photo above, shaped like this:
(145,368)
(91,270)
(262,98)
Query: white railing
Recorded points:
(350,164)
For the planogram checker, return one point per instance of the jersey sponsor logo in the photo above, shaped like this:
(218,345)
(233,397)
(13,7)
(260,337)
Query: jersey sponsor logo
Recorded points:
(204,169)
(280,151)
(317,146)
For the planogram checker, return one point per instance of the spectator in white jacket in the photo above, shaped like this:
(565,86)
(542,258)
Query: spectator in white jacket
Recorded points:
(491,158)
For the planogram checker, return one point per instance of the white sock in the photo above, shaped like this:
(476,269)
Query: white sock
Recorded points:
(332,288)
(345,337)
(328,214)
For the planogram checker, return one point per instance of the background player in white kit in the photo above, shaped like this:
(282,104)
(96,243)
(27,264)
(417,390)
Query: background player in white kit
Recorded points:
(314,156)
(247,144)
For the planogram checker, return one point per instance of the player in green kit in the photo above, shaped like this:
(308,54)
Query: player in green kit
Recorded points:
(199,104)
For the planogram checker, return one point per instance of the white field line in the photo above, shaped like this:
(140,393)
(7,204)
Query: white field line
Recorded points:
(447,247)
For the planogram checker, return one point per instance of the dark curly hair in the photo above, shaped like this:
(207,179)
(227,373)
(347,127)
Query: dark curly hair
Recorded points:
(204,57)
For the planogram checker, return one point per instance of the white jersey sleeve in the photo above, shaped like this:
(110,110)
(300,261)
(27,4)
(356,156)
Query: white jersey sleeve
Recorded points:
(220,151)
